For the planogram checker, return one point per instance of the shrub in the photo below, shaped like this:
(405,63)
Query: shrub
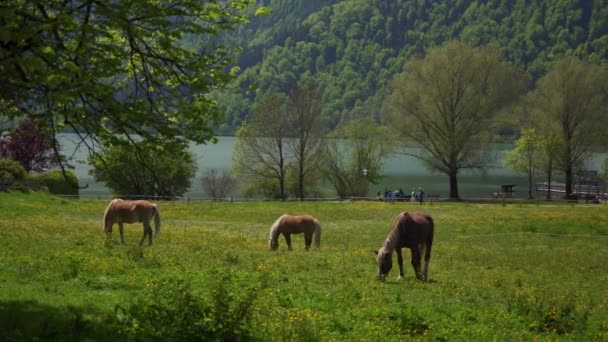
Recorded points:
(57,184)
(145,169)
(11,170)
(171,310)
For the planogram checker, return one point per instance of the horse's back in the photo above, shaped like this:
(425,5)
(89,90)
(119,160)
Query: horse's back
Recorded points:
(416,228)
(297,223)
(123,211)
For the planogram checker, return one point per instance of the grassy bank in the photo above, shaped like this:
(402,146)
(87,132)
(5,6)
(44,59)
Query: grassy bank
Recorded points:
(507,272)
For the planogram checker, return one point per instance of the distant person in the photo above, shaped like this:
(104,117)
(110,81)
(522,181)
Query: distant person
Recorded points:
(420,195)
(413,195)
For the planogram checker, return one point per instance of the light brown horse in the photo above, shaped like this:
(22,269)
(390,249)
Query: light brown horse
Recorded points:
(411,230)
(123,211)
(290,224)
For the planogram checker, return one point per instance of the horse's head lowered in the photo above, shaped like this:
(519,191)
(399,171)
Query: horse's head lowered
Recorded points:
(273,244)
(385,262)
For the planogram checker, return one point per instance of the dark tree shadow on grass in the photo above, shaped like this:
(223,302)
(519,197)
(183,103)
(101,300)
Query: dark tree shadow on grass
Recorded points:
(30,320)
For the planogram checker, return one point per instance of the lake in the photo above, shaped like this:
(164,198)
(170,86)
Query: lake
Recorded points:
(400,172)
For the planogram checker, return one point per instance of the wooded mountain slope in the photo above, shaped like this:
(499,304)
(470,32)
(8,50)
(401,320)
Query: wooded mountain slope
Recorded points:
(352,47)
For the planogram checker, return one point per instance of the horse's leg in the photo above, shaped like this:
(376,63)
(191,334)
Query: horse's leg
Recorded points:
(122,234)
(416,261)
(308,239)
(288,241)
(147,230)
(400,262)
(427,260)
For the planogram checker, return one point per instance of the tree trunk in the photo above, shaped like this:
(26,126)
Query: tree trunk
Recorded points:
(282,187)
(530,183)
(549,186)
(301,181)
(569,182)
(453,184)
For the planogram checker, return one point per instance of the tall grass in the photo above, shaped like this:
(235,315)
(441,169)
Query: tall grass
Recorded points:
(514,272)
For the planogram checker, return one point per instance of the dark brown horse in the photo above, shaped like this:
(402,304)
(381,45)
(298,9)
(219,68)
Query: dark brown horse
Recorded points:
(290,224)
(411,230)
(122,211)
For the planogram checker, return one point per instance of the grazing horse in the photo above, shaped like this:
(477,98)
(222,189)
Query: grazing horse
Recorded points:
(411,230)
(122,211)
(290,224)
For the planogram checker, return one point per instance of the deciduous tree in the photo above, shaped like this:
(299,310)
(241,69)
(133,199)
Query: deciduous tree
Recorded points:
(31,146)
(304,114)
(357,146)
(145,169)
(261,154)
(218,185)
(444,102)
(526,156)
(570,103)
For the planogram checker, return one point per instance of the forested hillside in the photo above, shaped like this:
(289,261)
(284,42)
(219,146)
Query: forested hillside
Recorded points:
(351,48)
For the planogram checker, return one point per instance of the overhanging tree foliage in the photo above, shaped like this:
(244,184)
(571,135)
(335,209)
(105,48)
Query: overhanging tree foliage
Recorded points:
(443,103)
(110,69)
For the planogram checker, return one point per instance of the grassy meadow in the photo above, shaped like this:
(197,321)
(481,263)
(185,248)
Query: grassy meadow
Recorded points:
(513,272)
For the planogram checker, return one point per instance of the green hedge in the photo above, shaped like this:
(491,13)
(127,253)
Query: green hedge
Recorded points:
(57,184)
(11,170)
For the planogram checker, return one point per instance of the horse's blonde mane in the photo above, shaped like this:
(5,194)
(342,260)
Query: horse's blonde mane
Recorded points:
(106,213)
(274,229)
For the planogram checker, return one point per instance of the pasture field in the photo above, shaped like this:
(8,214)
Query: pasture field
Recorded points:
(514,272)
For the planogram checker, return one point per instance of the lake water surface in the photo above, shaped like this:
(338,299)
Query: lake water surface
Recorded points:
(400,171)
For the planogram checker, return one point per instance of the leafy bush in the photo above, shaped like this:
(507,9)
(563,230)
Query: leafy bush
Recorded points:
(171,310)
(10,170)
(58,184)
(145,169)
(560,315)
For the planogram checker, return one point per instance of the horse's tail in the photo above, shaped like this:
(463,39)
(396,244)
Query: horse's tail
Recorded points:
(429,239)
(156,214)
(317,233)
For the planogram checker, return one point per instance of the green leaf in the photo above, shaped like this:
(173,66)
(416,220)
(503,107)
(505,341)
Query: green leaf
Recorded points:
(263,11)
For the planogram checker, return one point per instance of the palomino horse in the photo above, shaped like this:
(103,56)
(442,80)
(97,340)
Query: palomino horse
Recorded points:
(122,211)
(411,230)
(290,224)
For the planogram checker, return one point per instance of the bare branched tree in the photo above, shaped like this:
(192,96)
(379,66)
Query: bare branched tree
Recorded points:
(218,185)
(304,111)
(261,153)
(357,146)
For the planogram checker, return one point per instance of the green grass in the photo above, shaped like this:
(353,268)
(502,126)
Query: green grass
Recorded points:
(514,272)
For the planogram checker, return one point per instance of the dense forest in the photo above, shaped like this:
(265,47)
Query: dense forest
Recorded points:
(351,48)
